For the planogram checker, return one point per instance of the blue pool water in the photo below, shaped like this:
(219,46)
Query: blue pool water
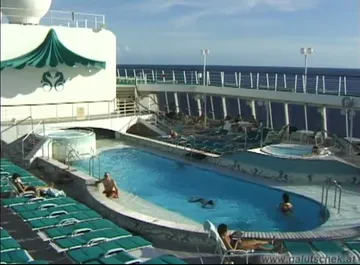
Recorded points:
(169,184)
(293,150)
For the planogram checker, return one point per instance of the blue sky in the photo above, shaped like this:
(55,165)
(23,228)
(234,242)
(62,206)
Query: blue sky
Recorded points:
(237,32)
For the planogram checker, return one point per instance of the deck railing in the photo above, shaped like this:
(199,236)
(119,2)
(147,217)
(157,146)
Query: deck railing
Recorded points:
(317,84)
(67,111)
(62,18)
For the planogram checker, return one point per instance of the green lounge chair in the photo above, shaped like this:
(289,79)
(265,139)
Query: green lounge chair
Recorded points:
(15,169)
(38,262)
(301,253)
(7,188)
(4,234)
(107,249)
(16,256)
(53,212)
(354,246)
(166,259)
(76,229)
(90,239)
(44,205)
(333,251)
(9,244)
(64,220)
(24,200)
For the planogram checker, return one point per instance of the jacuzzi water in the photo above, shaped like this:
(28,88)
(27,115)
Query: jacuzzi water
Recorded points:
(288,150)
(67,134)
(239,204)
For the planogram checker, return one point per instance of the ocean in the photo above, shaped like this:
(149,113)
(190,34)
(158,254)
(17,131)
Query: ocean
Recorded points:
(336,120)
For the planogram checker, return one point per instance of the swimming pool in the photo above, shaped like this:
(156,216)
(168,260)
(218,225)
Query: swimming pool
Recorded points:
(169,184)
(288,150)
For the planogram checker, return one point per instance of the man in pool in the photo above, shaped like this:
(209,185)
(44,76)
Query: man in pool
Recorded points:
(110,188)
(315,150)
(203,202)
(286,207)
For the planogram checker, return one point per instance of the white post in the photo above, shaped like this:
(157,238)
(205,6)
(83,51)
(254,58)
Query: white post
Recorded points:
(286,107)
(253,108)
(306,118)
(184,77)
(176,102)
(223,100)
(239,106)
(324,116)
(270,114)
(167,102)
(205,53)
(351,115)
(306,52)
(188,103)
(212,107)
(199,106)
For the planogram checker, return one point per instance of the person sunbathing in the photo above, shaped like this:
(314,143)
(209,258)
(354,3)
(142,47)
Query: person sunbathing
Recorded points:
(21,187)
(110,188)
(231,243)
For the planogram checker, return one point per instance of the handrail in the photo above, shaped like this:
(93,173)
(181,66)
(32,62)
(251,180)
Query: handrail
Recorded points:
(29,133)
(92,165)
(17,123)
(325,194)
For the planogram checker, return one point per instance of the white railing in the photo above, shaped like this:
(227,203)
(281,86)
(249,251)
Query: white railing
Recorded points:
(28,135)
(68,111)
(61,18)
(315,84)
(15,125)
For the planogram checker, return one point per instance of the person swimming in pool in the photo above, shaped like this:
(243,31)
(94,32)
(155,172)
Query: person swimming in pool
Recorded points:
(286,207)
(315,150)
(205,203)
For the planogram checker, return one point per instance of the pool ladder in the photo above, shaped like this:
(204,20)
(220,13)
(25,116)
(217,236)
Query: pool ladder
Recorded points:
(325,195)
(92,165)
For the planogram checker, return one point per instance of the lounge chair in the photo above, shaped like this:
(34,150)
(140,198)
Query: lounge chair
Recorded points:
(108,249)
(25,200)
(16,256)
(9,244)
(301,253)
(64,220)
(90,239)
(354,246)
(44,205)
(53,212)
(76,229)
(221,249)
(4,234)
(165,259)
(334,252)
(276,137)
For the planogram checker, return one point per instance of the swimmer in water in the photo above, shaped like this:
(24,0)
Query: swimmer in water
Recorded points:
(286,207)
(203,202)
(315,150)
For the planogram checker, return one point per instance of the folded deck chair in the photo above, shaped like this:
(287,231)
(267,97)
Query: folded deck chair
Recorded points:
(64,220)
(301,253)
(44,205)
(76,229)
(106,249)
(9,244)
(90,239)
(165,259)
(221,249)
(38,262)
(335,252)
(53,212)
(116,257)
(16,256)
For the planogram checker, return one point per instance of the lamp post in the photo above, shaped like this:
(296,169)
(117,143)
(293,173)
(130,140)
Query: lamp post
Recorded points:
(306,52)
(205,53)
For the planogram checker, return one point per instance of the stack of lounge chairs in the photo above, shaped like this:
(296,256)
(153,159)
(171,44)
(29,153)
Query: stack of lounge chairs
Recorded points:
(71,228)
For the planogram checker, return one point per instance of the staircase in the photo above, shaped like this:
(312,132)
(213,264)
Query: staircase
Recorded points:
(13,151)
(125,100)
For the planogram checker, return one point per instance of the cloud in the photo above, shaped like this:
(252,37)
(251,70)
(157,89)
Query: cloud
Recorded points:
(196,10)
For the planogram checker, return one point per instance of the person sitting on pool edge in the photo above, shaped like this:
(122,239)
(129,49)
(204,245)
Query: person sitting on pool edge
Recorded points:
(232,243)
(205,203)
(315,150)
(286,207)
(110,188)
